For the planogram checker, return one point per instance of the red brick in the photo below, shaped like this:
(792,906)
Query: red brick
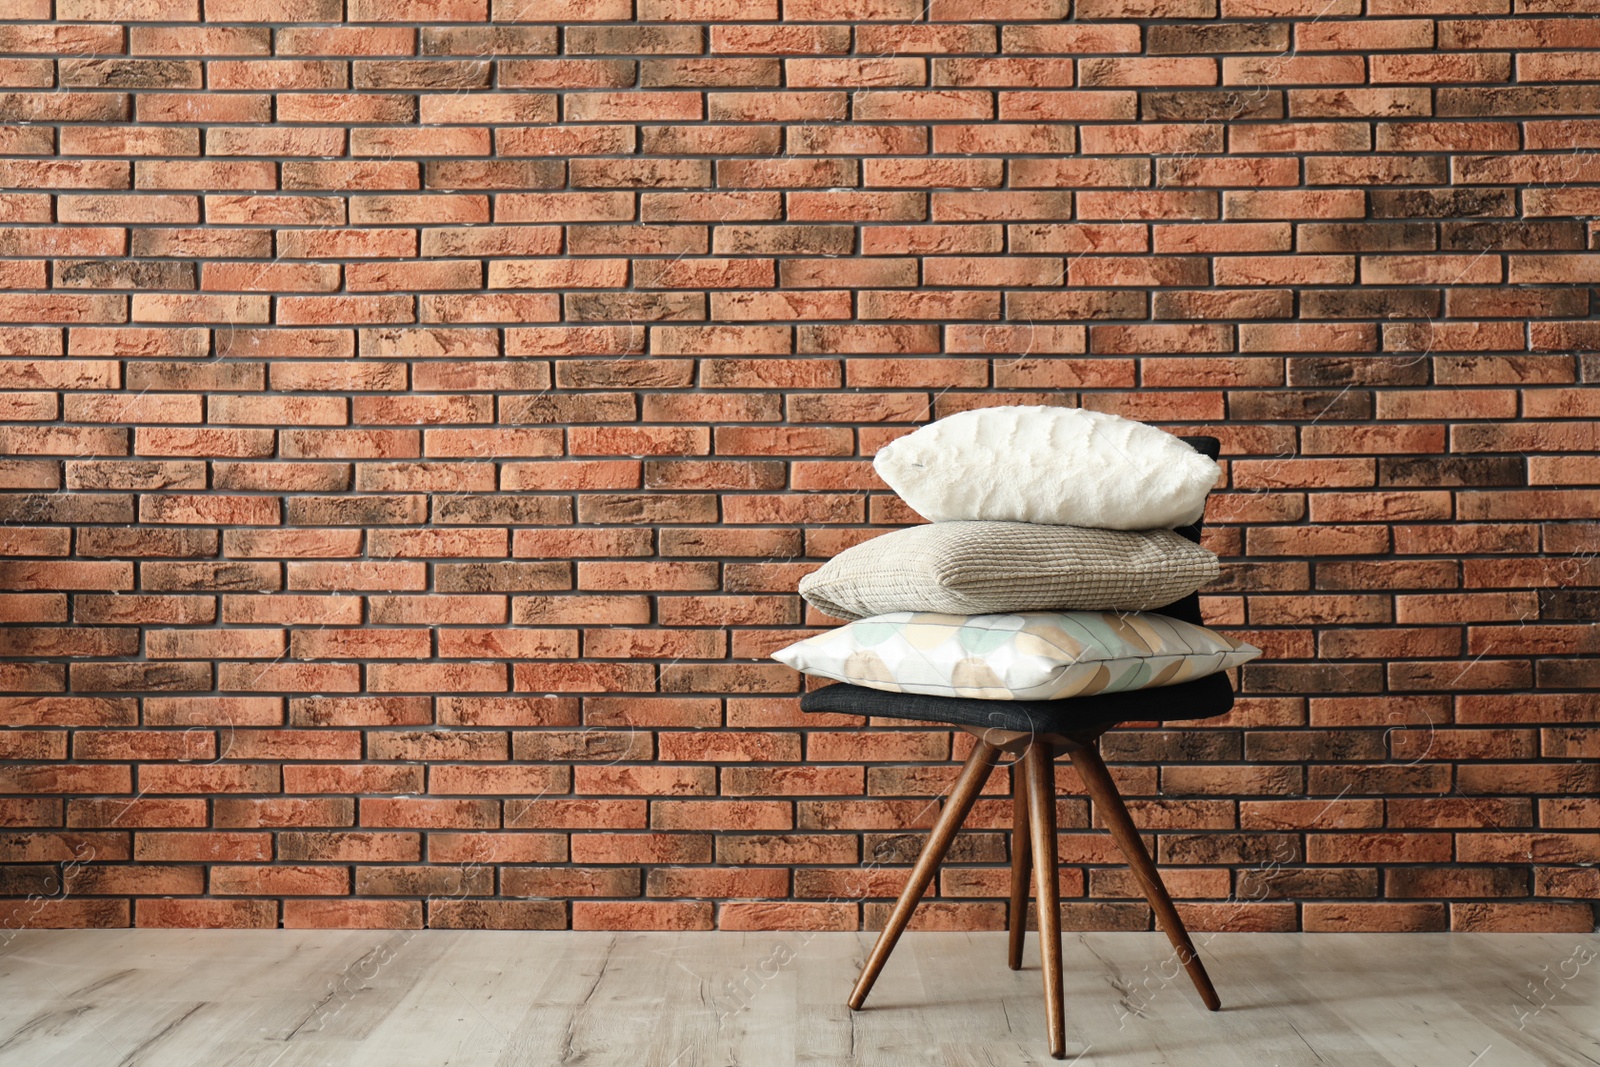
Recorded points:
(355,779)
(641,915)
(53,846)
(202,846)
(1407,918)
(1520,917)
(352,914)
(204,914)
(242,880)
(499,781)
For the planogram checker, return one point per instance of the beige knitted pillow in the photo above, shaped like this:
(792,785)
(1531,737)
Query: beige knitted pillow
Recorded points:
(986,568)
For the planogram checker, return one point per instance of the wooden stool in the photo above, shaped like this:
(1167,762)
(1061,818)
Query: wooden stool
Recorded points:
(1033,851)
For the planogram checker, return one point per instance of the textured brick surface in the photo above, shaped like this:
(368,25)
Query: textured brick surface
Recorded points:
(414,428)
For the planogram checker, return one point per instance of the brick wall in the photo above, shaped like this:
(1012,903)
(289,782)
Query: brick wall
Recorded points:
(419,413)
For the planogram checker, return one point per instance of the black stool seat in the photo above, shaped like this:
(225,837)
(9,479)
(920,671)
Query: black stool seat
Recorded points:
(1199,699)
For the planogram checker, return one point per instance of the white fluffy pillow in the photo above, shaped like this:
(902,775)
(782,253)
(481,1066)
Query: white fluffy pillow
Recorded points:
(1058,466)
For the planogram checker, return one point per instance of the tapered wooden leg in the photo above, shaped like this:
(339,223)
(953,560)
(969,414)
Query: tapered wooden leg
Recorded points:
(1021,863)
(1041,769)
(1092,769)
(962,796)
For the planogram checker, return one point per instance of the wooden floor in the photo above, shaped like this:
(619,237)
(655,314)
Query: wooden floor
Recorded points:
(418,999)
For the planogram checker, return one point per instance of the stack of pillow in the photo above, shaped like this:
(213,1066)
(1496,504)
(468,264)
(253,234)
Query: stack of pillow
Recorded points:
(1050,540)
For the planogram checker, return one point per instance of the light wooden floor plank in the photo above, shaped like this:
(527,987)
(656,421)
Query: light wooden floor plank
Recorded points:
(424,998)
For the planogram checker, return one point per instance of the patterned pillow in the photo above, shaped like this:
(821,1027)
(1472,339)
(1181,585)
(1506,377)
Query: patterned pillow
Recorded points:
(1027,656)
(984,568)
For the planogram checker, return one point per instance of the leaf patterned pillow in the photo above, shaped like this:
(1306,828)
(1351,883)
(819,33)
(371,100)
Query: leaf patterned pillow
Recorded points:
(1031,655)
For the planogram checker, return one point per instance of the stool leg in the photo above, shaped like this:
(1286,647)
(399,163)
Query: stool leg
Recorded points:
(1092,769)
(1041,767)
(962,796)
(1021,863)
